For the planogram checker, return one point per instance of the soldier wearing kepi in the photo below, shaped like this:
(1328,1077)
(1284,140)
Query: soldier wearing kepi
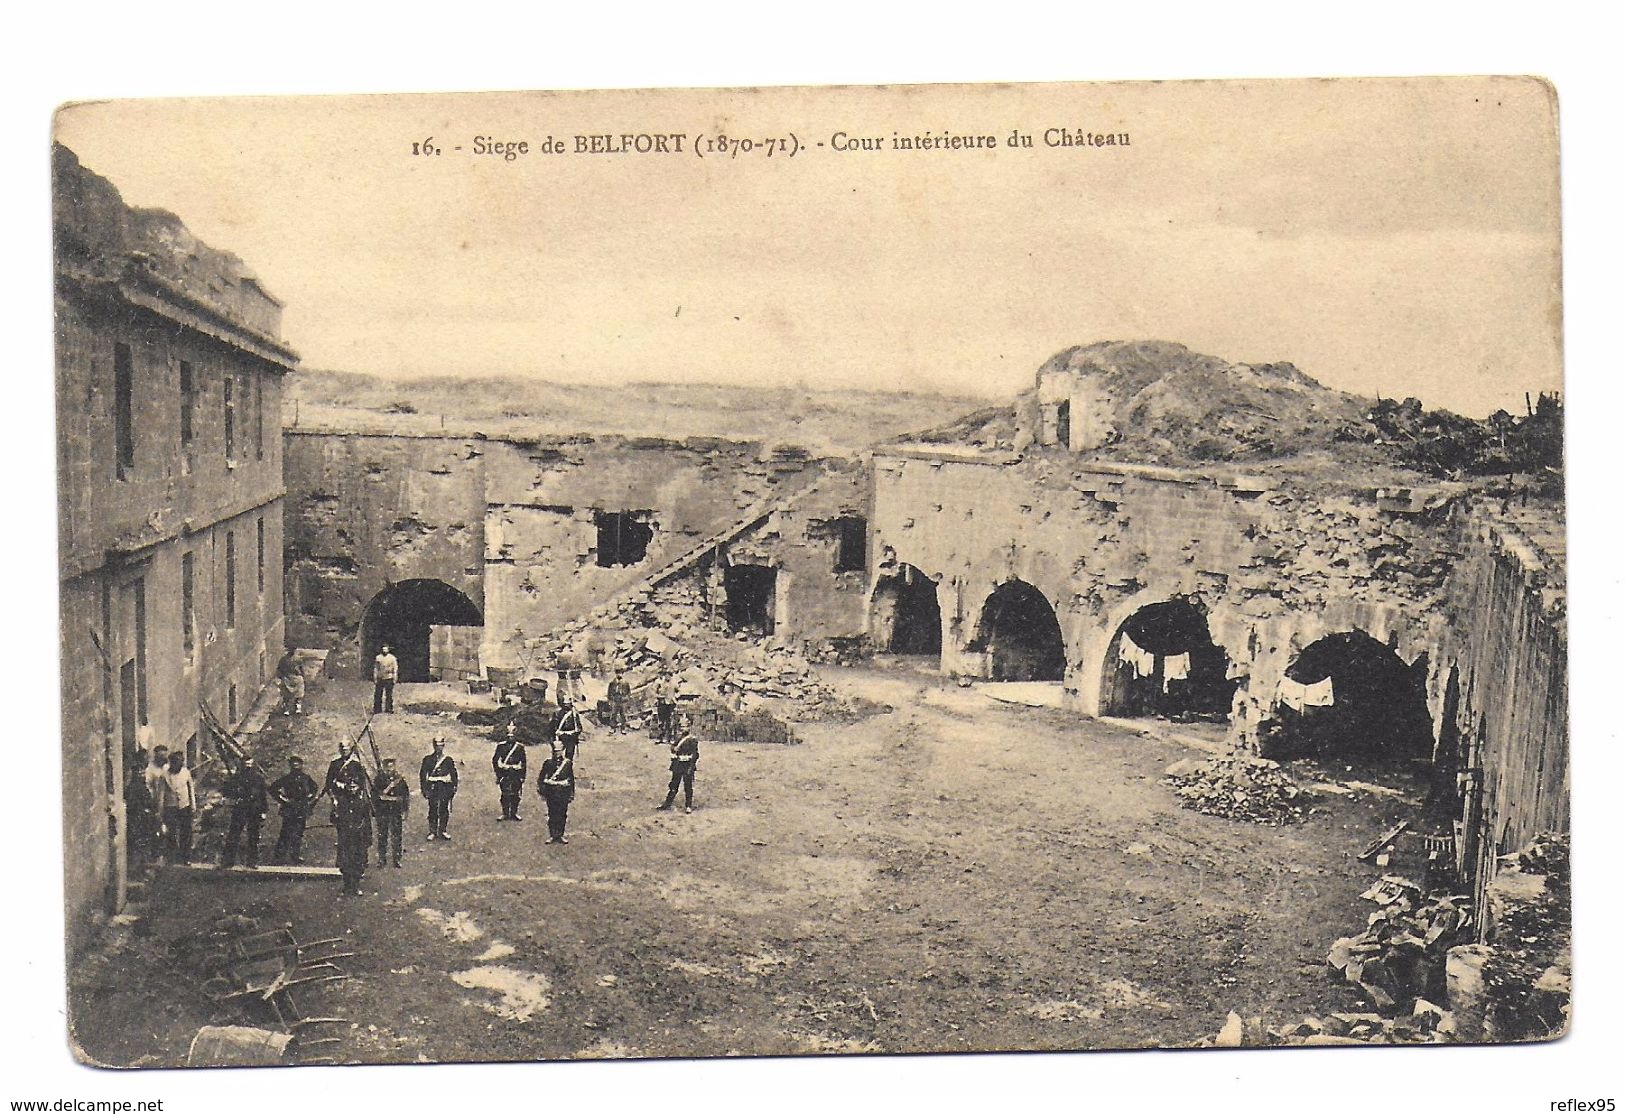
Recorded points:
(437,778)
(249,797)
(557,785)
(508,763)
(352,818)
(685,756)
(389,796)
(567,727)
(295,793)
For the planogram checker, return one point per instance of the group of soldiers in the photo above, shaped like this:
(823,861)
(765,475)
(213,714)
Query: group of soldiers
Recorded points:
(369,805)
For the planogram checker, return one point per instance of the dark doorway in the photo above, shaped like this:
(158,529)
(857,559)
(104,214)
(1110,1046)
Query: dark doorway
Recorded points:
(749,589)
(1163,662)
(401,615)
(1378,710)
(1063,424)
(1020,634)
(904,616)
(623,537)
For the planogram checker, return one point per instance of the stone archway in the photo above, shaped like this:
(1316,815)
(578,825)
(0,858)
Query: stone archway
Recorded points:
(904,615)
(403,617)
(1020,635)
(1162,661)
(1370,703)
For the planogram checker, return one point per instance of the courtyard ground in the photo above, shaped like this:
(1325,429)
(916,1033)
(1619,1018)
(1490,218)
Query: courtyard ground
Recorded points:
(959,873)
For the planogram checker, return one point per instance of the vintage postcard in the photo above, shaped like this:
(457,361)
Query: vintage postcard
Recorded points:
(703,573)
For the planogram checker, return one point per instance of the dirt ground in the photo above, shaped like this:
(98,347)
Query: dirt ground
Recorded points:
(957,874)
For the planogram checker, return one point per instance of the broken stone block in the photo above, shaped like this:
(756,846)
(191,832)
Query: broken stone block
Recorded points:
(1230,1035)
(1465,988)
(1426,1015)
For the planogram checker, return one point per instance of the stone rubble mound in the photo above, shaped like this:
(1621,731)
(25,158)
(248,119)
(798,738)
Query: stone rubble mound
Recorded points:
(1238,786)
(1400,957)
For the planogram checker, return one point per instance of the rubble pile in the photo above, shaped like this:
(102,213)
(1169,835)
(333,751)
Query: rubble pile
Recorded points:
(742,672)
(1401,955)
(1238,786)
(1426,1024)
(1516,986)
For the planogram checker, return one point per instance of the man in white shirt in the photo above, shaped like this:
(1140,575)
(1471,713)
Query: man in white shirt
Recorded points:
(180,806)
(385,669)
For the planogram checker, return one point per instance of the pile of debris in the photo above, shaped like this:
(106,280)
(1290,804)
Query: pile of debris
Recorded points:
(1427,1024)
(1401,955)
(1516,985)
(1238,786)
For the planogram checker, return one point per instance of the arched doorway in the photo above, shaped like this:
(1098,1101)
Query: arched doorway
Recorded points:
(1350,696)
(904,616)
(1162,661)
(403,616)
(1020,635)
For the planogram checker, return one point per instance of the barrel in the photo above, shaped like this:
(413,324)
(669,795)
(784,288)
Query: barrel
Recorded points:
(217,1046)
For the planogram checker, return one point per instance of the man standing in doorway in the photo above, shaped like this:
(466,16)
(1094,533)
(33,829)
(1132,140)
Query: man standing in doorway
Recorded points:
(389,796)
(508,763)
(437,778)
(249,797)
(295,793)
(385,670)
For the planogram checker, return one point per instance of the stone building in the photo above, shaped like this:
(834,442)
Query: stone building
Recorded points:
(460,548)
(169,386)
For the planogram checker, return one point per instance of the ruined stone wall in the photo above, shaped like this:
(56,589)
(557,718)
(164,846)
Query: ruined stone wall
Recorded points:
(367,511)
(1501,691)
(1274,568)
(511,524)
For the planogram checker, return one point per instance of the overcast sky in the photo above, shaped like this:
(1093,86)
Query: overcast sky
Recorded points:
(1397,237)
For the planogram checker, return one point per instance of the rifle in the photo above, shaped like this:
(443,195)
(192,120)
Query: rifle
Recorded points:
(230,750)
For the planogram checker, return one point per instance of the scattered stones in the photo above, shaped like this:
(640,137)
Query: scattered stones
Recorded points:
(1238,786)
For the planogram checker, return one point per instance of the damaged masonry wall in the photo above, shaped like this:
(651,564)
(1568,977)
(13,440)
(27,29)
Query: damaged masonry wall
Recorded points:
(1273,569)
(515,526)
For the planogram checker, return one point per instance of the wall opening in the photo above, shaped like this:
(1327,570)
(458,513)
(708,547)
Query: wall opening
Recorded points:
(1350,696)
(402,615)
(1020,634)
(904,615)
(750,596)
(851,544)
(623,537)
(1063,424)
(1163,662)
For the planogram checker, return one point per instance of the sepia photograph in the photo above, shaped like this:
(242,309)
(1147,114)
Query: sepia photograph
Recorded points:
(812,571)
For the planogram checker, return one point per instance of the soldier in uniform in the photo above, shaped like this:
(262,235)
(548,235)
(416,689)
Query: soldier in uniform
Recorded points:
(567,727)
(141,817)
(685,756)
(437,778)
(620,695)
(295,793)
(666,706)
(508,763)
(249,797)
(352,818)
(336,768)
(389,796)
(557,785)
